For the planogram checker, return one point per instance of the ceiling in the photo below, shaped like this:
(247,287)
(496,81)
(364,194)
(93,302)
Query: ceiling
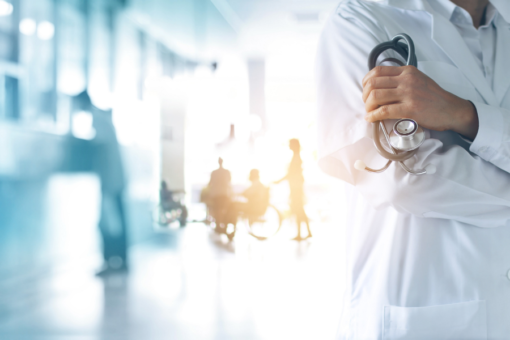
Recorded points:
(211,28)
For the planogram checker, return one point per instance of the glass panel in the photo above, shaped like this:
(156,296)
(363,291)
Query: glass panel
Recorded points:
(37,60)
(71,47)
(8,32)
(101,46)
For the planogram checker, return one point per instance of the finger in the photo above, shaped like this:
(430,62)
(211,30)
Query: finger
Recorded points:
(391,111)
(383,71)
(378,83)
(380,97)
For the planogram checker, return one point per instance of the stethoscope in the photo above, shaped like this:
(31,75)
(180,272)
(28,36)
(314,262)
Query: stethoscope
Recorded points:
(407,136)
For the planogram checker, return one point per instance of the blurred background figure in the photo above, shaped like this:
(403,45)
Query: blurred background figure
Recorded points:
(114,110)
(297,194)
(166,196)
(219,193)
(107,163)
(257,198)
(172,209)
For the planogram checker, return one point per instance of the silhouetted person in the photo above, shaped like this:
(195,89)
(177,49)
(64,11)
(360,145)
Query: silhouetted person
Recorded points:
(297,195)
(166,197)
(219,191)
(107,163)
(257,195)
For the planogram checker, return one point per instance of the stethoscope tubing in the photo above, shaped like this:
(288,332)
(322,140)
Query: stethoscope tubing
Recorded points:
(402,164)
(395,157)
(405,50)
(400,48)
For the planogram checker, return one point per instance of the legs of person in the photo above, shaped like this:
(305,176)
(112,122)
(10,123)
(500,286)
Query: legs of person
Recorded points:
(113,229)
(298,225)
(296,199)
(294,208)
(299,213)
(122,239)
(219,210)
(214,209)
(297,203)
(303,218)
(231,215)
(234,210)
(106,238)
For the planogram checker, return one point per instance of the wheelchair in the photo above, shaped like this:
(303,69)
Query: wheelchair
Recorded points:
(165,214)
(260,223)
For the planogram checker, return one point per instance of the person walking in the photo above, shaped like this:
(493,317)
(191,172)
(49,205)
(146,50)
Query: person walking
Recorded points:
(297,194)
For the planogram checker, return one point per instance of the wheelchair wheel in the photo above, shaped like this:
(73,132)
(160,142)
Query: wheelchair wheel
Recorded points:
(165,217)
(264,226)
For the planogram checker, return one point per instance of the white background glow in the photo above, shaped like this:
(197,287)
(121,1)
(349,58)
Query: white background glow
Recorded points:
(45,30)
(27,26)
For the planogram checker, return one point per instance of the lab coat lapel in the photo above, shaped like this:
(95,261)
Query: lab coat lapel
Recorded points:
(503,7)
(448,38)
(413,5)
(502,68)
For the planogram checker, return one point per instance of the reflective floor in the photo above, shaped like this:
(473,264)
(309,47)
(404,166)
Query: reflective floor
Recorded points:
(187,283)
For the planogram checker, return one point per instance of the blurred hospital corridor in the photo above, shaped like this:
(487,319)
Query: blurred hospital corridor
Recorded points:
(183,283)
(156,158)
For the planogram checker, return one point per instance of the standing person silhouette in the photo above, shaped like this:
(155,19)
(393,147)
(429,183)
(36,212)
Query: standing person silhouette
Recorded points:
(219,192)
(107,163)
(297,195)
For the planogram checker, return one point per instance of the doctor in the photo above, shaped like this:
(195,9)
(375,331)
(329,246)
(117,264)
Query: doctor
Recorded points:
(428,256)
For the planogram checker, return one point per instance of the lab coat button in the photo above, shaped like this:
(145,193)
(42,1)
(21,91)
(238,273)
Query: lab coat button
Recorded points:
(508,274)
(483,149)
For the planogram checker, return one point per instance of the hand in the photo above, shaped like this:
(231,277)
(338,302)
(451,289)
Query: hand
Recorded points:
(394,92)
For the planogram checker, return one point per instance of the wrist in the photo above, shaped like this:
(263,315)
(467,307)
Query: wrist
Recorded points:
(466,119)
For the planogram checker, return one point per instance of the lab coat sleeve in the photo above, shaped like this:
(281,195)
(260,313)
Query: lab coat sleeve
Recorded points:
(465,188)
(492,142)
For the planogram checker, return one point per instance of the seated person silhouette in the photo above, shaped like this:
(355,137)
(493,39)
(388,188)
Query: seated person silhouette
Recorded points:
(257,195)
(168,203)
(257,200)
(166,197)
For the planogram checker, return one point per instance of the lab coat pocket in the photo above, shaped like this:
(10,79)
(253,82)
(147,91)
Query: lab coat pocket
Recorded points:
(450,78)
(458,321)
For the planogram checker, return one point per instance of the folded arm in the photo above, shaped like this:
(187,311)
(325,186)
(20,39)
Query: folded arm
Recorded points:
(465,188)
(492,142)
(393,92)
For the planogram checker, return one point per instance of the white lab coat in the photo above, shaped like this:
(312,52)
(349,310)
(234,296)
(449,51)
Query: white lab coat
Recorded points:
(428,256)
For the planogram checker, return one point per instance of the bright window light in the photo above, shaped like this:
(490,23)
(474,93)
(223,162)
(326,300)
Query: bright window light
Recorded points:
(27,26)
(71,82)
(82,125)
(255,122)
(5,8)
(45,30)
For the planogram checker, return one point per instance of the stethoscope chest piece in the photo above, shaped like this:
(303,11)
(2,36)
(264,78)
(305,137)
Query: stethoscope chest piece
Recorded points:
(406,135)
